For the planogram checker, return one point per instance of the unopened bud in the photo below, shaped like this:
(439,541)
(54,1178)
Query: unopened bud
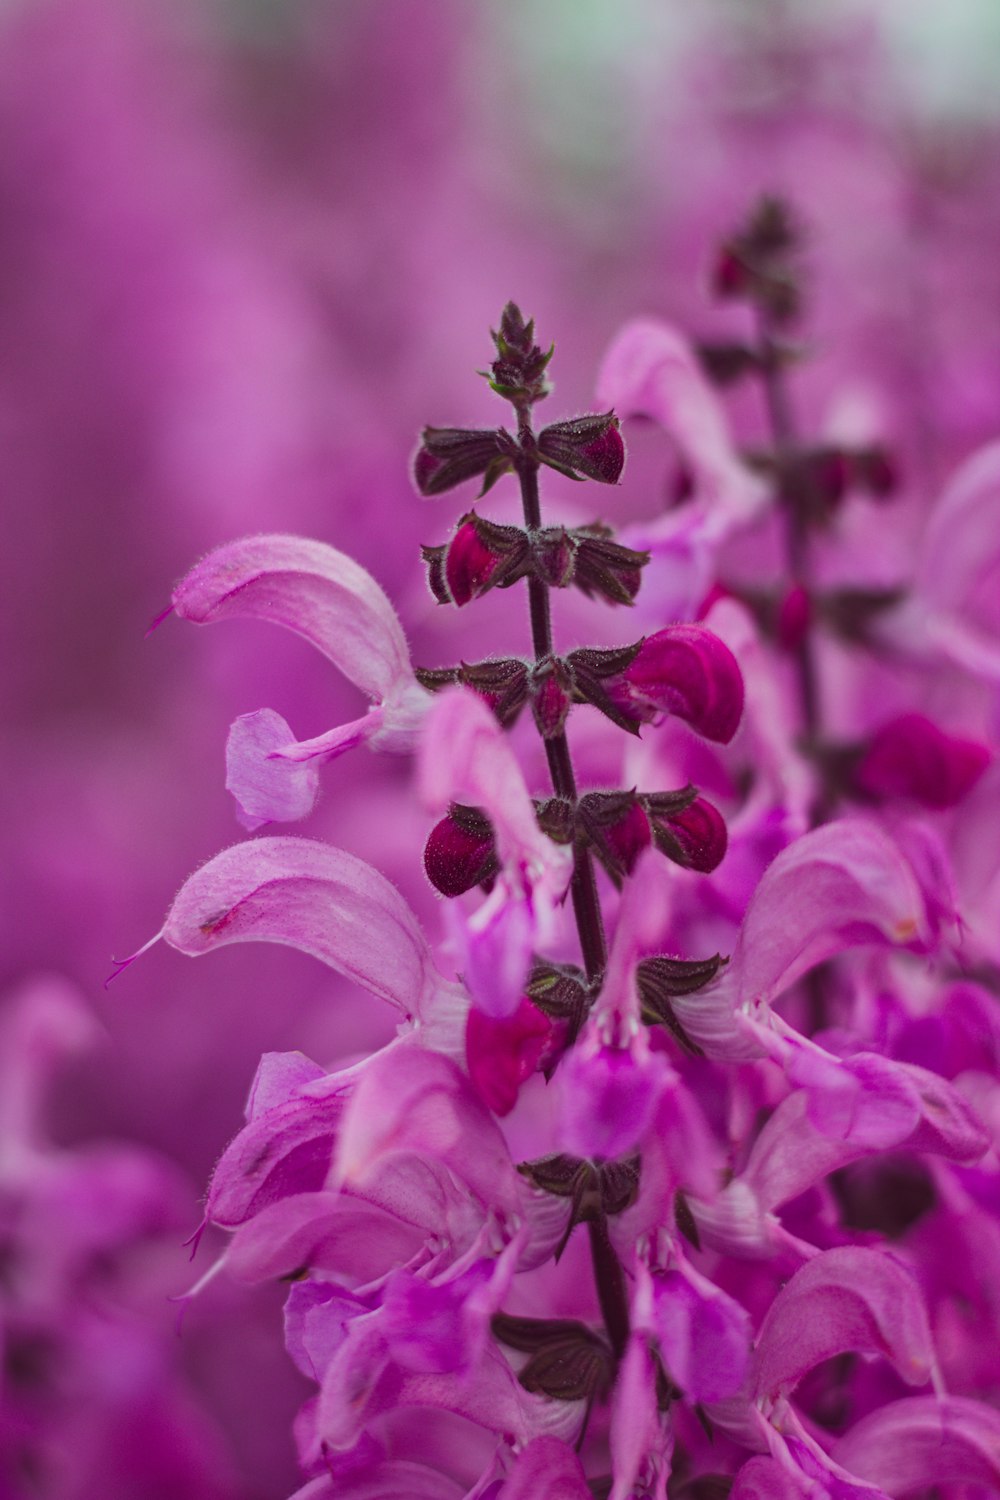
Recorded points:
(479,557)
(687,671)
(584,448)
(794,618)
(449,455)
(551,690)
(694,837)
(617,829)
(460,853)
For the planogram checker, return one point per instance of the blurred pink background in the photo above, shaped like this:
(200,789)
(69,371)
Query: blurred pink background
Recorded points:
(247,250)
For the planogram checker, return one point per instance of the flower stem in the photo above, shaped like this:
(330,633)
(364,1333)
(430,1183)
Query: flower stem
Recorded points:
(583,886)
(783,430)
(609,1278)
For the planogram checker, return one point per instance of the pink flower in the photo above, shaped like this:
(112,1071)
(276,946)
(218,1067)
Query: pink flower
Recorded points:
(324,596)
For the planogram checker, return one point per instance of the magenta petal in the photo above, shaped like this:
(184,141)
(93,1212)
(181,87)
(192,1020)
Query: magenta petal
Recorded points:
(912,757)
(766,1479)
(704,1335)
(313,897)
(608,1099)
(317,1316)
(866,1098)
(687,671)
(309,588)
(501,1054)
(916,1444)
(267,790)
(495,947)
(848,1299)
(549,1468)
(840,885)
(284,1149)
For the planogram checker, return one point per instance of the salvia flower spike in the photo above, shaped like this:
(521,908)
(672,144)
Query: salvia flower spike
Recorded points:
(594,1202)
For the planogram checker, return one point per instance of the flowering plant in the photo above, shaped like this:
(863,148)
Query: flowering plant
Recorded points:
(761,1101)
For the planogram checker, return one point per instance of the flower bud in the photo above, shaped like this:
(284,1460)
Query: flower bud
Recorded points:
(469,564)
(550,688)
(449,455)
(480,556)
(584,448)
(694,837)
(617,828)
(460,853)
(911,757)
(794,617)
(687,671)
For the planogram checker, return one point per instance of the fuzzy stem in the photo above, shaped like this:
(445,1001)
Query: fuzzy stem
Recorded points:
(608,1275)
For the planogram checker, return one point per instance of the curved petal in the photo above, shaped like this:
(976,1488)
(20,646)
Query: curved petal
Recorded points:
(410,1100)
(848,1299)
(309,588)
(313,897)
(923,1441)
(651,371)
(840,885)
(959,570)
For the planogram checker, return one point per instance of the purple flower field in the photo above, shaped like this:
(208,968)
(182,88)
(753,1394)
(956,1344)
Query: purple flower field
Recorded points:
(597,1097)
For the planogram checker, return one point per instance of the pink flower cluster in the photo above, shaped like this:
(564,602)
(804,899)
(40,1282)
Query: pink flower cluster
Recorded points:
(710,1208)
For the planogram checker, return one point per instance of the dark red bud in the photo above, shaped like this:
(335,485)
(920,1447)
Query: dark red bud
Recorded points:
(794,617)
(730,276)
(688,671)
(449,455)
(695,837)
(588,447)
(911,757)
(877,472)
(604,458)
(551,696)
(469,564)
(459,854)
(629,837)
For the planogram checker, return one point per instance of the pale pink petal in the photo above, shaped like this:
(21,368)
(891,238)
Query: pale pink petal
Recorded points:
(334,1233)
(914,1445)
(313,897)
(848,1299)
(267,789)
(838,886)
(413,1101)
(309,588)
(278,1079)
(651,371)
(958,580)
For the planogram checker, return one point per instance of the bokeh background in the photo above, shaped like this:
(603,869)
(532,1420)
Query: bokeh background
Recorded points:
(247,249)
